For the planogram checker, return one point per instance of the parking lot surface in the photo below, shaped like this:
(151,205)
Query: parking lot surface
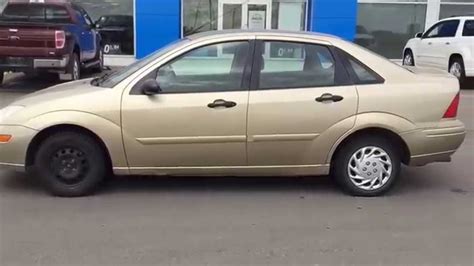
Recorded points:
(427,219)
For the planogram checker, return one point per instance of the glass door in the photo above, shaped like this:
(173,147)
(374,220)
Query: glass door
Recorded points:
(244,14)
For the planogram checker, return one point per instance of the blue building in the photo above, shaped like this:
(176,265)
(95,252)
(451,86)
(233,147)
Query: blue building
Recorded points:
(135,28)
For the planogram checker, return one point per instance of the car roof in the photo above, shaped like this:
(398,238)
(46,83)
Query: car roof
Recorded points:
(459,17)
(282,33)
(39,2)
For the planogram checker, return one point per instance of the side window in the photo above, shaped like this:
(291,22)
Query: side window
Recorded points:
(360,73)
(296,65)
(443,29)
(204,70)
(468,28)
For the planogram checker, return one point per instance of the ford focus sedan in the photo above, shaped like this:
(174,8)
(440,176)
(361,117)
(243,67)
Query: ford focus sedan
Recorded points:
(238,103)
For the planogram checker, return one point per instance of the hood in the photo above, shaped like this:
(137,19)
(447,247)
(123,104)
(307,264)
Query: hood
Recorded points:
(58,92)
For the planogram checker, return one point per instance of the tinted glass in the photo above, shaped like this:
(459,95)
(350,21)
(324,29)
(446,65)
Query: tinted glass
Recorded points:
(35,13)
(468,28)
(197,72)
(443,29)
(296,65)
(57,15)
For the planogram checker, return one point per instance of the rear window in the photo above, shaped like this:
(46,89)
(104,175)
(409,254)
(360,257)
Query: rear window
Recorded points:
(35,13)
(468,28)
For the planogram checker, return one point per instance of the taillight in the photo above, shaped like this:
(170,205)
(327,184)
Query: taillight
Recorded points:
(452,111)
(60,39)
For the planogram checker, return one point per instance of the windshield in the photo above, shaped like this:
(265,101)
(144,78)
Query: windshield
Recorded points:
(111,79)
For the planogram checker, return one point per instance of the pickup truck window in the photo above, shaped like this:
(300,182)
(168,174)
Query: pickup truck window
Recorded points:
(35,13)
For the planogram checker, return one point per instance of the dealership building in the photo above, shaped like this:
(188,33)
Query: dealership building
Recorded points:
(384,26)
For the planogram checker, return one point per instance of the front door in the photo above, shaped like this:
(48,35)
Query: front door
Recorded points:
(244,14)
(198,120)
(299,106)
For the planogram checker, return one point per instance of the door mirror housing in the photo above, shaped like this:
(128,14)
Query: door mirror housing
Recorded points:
(150,87)
(419,35)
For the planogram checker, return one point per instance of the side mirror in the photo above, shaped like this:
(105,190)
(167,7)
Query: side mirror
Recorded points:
(419,35)
(150,87)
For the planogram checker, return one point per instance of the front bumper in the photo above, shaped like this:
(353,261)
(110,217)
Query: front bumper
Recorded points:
(13,153)
(434,144)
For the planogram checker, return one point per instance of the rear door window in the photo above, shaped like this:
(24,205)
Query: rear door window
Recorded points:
(468,28)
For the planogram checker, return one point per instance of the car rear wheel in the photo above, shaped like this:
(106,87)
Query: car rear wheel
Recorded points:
(456,68)
(408,59)
(367,166)
(70,164)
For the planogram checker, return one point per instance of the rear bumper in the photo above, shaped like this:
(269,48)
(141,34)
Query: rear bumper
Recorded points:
(434,144)
(21,64)
(13,153)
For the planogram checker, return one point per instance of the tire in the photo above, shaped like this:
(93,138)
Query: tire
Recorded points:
(456,68)
(370,168)
(2,76)
(74,67)
(70,164)
(100,57)
(408,59)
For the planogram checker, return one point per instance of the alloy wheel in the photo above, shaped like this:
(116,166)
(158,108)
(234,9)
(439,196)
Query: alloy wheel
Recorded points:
(456,69)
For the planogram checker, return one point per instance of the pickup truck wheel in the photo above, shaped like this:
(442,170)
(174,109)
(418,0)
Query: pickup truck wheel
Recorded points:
(100,67)
(456,68)
(70,164)
(74,67)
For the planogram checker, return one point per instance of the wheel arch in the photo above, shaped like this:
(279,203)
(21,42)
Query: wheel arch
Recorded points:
(43,135)
(454,56)
(390,135)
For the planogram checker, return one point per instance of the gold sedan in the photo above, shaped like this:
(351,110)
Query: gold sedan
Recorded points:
(238,103)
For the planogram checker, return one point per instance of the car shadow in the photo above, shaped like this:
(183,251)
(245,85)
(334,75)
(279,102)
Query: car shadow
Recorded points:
(409,184)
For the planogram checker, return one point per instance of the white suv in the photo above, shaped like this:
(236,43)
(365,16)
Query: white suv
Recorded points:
(447,45)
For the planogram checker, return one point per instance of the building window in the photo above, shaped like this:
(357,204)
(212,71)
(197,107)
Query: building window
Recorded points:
(205,15)
(450,8)
(114,20)
(386,26)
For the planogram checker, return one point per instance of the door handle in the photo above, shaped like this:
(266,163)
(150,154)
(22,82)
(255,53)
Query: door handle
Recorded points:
(447,43)
(328,97)
(430,43)
(222,103)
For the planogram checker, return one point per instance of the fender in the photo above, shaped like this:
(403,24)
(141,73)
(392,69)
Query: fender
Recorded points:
(109,132)
(391,122)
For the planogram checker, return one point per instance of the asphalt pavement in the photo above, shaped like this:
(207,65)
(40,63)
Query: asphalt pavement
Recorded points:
(427,219)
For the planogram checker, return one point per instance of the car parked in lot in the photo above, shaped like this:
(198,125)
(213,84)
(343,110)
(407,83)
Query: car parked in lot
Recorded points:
(221,104)
(447,45)
(51,36)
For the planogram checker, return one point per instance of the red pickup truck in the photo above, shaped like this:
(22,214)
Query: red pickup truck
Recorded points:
(52,36)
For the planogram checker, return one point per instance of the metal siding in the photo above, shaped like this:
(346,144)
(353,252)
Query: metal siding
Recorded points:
(336,17)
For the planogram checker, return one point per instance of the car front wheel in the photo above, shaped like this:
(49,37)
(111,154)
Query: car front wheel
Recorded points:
(408,59)
(367,166)
(70,164)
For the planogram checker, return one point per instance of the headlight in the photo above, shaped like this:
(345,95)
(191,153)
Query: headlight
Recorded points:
(8,111)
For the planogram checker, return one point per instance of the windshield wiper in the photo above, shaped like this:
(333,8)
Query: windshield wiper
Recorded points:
(98,81)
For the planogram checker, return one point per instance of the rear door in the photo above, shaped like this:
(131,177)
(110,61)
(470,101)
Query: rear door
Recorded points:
(301,102)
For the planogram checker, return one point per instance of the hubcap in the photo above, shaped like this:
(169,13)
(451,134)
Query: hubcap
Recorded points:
(76,71)
(69,165)
(370,168)
(456,69)
(408,60)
